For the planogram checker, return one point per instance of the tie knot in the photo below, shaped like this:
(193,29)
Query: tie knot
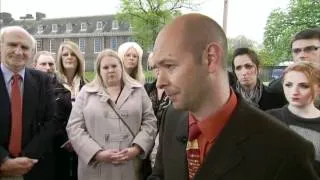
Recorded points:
(194,131)
(16,77)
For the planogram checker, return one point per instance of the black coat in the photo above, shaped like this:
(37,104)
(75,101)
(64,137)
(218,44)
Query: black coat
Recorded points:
(39,123)
(270,99)
(252,146)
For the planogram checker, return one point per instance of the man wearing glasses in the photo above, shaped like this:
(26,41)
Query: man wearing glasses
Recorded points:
(305,46)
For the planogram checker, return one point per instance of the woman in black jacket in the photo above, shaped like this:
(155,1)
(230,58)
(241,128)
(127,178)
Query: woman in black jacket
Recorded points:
(245,66)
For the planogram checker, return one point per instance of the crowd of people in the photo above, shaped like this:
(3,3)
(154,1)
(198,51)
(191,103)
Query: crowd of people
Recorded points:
(196,120)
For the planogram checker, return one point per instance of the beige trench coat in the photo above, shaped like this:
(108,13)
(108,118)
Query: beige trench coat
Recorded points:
(94,126)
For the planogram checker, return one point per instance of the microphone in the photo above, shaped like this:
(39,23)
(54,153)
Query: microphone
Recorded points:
(182,139)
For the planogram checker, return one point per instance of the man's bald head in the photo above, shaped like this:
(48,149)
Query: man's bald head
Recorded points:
(193,33)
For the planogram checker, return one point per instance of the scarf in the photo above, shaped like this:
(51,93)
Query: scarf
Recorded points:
(252,96)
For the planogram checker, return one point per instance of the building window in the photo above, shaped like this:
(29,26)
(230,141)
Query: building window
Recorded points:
(99,26)
(130,39)
(83,27)
(40,28)
(66,39)
(115,25)
(54,27)
(39,45)
(53,46)
(114,43)
(82,44)
(69,27)
(97,45)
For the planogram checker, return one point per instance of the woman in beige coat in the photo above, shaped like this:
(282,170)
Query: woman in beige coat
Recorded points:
(110,147)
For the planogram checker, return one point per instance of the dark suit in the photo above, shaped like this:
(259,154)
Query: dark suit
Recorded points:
(252,146)
(38,123)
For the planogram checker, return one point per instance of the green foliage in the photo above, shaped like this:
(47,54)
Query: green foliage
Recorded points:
(149,75)
(89,75)
(147,17)
(283,24)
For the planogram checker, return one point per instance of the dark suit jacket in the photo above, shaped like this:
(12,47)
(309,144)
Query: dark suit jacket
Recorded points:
(252,146)
(38,122)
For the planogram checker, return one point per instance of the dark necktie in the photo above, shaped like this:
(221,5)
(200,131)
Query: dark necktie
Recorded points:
(16,117)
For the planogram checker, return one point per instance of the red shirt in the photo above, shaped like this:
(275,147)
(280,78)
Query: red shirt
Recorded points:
(211,127)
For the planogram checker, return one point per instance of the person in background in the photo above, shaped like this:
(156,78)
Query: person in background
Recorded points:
(160,102)
(208,131)
(301,85)
(245,66)
(112,125)
(305,46)
(158,97)
(27,120)
(131,54)
(71,67)
(44,61)
(70,73)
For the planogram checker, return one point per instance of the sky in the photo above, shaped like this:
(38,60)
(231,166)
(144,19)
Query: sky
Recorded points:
(245,17)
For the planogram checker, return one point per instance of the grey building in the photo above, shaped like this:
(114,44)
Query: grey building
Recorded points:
(91,33)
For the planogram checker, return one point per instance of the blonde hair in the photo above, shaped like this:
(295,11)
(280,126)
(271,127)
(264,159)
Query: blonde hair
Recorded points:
(76,50)
(138,71)
(126,79)
(309,69)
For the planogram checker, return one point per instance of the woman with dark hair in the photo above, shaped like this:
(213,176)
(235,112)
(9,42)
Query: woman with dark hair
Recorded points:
(245,66)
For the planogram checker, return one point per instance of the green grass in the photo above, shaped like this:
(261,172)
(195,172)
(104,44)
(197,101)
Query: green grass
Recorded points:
(89,75)
(148,75)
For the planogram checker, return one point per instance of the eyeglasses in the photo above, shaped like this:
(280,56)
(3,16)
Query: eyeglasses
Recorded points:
(307,49)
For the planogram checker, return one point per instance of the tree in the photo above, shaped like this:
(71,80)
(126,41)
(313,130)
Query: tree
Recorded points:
(239,42)
(283,24)
(147,17)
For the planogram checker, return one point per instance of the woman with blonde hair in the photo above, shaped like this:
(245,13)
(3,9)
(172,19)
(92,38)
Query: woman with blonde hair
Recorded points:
(71,67)
(131,54)
(301,83)
(112,125)
(70,73)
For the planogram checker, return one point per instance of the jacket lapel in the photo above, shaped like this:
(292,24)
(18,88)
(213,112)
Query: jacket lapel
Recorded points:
(5,115)
(181,136)
(4,96)
(30,92)
(226,153)
(126,91)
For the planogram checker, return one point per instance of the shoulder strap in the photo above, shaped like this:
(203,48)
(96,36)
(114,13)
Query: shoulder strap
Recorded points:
(122,120)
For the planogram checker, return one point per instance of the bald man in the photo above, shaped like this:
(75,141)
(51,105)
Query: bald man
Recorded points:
(210,132)
(27,121)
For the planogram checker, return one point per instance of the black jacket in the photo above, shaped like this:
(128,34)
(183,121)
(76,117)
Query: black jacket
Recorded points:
(39,123)
(252,146)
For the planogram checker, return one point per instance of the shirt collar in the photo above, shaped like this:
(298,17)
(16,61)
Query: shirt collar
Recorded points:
(7,74)
(211,126)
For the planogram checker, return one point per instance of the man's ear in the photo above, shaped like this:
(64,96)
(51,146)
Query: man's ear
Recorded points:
(213,55)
